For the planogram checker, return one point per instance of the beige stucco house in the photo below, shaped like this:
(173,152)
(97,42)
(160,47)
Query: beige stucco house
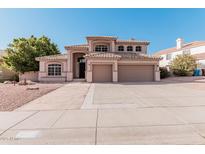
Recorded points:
(195,48)
(101,59)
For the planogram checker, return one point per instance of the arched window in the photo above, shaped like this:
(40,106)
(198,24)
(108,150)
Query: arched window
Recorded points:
(129,48)
(101,48)
(54,70)
(121,48)
(138,48)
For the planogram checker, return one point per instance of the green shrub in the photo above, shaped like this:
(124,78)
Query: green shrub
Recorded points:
(164,73)
(183,65)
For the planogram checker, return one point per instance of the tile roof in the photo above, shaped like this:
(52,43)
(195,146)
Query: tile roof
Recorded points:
(132,42)
(199,56)
(186,46)
(103,37)
(52,57)
(120,55)
(102,55)
(78,47)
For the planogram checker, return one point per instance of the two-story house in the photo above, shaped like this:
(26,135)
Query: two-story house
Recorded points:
(101,59)
(196,49)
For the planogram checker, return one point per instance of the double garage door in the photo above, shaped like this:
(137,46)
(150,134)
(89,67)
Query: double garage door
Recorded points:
(126,73)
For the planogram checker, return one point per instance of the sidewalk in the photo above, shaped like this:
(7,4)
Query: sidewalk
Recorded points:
(50,120)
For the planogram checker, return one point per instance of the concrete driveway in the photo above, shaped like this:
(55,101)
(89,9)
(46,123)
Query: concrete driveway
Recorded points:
(123,113)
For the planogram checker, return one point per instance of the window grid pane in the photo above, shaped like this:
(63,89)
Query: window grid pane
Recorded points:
(121,48)
(101,48)
(129,48)
(168,57)
(54,70)
(138,48)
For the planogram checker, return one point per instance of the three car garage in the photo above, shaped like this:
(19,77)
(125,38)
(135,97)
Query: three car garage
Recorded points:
(126,73)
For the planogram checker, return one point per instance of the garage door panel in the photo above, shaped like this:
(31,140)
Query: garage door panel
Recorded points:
(102,73)
(135,73)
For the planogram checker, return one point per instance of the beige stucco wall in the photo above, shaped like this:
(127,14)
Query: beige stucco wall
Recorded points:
(33,76)
(43,71)
(109,43)
(144,48)
(6,74)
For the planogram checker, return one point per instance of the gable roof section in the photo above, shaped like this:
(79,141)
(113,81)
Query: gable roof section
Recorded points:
(52,57)
(101,37)
(80,47)
(132,42)
(186,46)
(199,56)
(120,56)
(106,55)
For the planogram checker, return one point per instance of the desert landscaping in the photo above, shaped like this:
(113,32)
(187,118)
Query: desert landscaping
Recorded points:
(14,96)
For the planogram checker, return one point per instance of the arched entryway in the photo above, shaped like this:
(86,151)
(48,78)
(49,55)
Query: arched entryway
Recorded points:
(78,66)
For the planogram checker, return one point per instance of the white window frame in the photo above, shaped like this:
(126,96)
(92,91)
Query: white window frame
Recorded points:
(129,48)
(54,69)
(138,48)
(168,56)
(101,48)
(121,48)
(186,52)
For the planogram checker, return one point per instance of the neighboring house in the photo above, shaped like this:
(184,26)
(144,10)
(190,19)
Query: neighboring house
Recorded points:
(102,59)
(196,48)
(5,73)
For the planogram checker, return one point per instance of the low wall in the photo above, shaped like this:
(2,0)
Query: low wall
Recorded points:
(33,76)
(6,74)
(52,79)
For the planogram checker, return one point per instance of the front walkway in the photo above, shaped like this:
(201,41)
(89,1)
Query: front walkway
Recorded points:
(83,113)
(70,96)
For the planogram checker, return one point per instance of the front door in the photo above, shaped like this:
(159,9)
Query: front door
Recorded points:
(81,68)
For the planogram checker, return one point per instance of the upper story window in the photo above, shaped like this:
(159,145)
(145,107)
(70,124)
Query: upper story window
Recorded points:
(138,48)
(120,48)
(169,56)
(186,52)
(101,48)
(54,70)
(129,48)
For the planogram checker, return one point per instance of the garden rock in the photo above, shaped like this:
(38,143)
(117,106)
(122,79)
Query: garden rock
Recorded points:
(7,82)
(32,88)
(26,82)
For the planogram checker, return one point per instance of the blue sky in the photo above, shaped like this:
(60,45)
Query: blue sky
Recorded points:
(70,26)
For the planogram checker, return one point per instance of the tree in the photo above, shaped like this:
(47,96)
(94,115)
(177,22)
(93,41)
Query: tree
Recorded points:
(22,52)
(183,65)
(164,73)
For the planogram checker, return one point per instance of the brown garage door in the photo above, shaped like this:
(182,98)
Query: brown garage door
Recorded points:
(102,73)
(135,73)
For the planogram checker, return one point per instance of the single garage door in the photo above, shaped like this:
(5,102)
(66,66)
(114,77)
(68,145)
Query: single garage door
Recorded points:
(102,73)
(135,73)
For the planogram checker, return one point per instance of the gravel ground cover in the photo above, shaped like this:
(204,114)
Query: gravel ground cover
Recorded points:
(12,97)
